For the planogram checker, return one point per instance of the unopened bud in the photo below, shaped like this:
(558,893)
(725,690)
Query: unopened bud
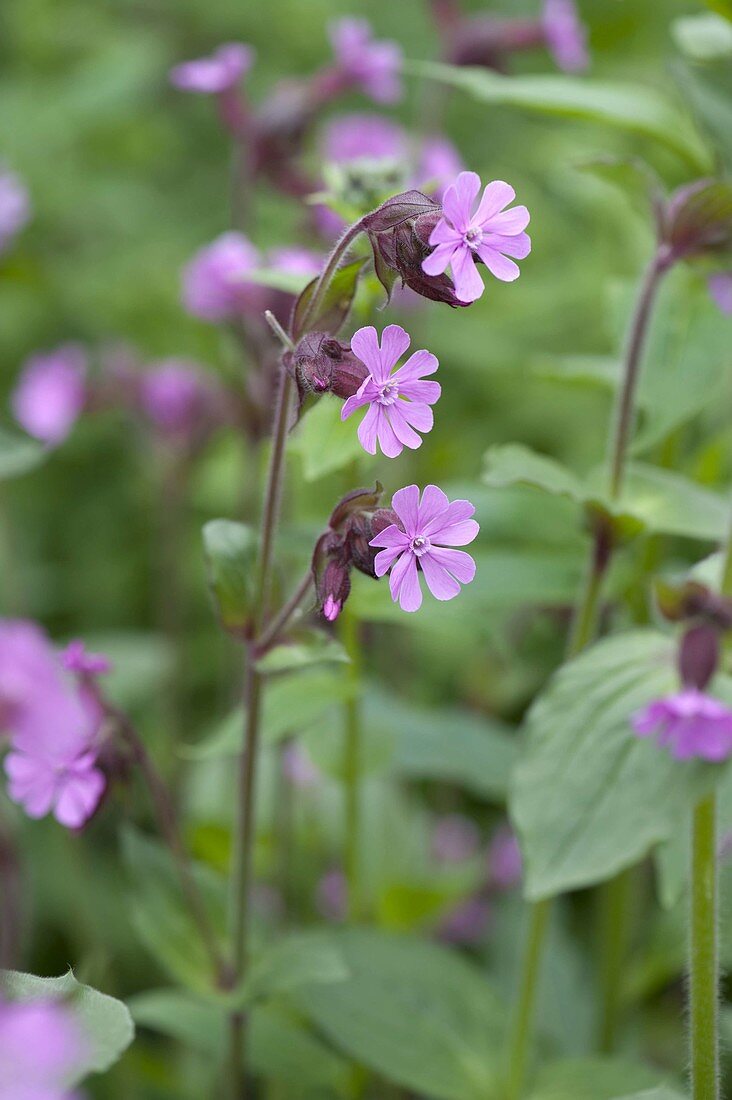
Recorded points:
(358,500)
(698,220)
(320,364)
(383,518)
(699,656)
(359,532)
(334,588)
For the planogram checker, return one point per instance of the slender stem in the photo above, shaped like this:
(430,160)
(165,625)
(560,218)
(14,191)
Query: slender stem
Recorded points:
(614,912)
(272,496)
(11,915)
(704,963)
(523,1023)
(279,621)
(324,280)
(352,763)
(278,330)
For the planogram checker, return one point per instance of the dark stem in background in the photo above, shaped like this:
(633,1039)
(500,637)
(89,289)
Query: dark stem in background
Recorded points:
(171,602)
(279,621)
(11,915)
(583,632)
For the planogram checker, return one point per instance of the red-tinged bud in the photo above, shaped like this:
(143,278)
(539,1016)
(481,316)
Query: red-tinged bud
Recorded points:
(693,601)
(359,532)
(699,656)
(383,518)
(489,42)
(358,500)
(697,220)
(334,588)
(320,364)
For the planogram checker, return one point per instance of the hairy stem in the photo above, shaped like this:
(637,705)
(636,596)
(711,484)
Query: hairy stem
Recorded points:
(704,962)
(279,621)
(614,913)
(325,278)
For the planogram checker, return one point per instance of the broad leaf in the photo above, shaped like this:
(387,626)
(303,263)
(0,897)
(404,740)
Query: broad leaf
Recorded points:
(334,307)
(589,797)
(104,1021)
(303,958)
(19,454)
(231,551)
(323,441)
(515,464)
(312,647)
(413,1012)
(635,108)
(590,1079)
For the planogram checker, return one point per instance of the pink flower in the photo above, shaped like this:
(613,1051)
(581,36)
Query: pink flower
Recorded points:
(177,397)
(370,65)
(398,402)
(215,285)
(454,838)
(50,393)
(40,1046)
(77,658)
(690,723)
(504,858)
(420,544)
(720,288)
(491,234)
(348,138)
(70,786)
(214,74)
(15,210)
(296,261)
(565,35)
(439,163)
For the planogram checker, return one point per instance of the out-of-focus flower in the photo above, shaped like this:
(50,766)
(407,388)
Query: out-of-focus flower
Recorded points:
(505,865)
(50,393)
(215,286)
(41,1043)
(298,768)
(331,896)
(689,723)
(77,658)
(214,74)
(371,65)
(178,398)
(491,234)
(455,838)
(566,35)
(15,207)
(53,726)
(399,401)
(295,261)
(468,922)
(428,529)
(355,137)
(720,288)
(439,164)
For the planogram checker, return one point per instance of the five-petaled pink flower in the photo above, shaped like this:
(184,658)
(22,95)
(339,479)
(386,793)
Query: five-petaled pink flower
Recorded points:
(371,65)
(399,401)
(215,74)
(422,543)
(690,723)
(491,234)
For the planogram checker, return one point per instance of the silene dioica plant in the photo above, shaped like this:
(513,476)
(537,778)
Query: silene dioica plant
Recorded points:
(624,751)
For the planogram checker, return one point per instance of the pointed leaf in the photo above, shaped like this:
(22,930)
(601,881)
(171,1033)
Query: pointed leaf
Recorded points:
(231,552)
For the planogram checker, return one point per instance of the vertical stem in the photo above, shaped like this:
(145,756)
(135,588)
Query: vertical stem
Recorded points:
(352,764)
(614,899)
(523,1023)
(325,278)
(703,972)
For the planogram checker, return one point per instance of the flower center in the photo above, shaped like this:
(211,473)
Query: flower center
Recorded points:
(473,236)
(388,394)
(420,545)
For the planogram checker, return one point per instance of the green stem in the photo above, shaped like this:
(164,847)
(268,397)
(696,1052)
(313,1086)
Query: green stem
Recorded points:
(614,913)
(352,763)
(325,278)
(703,972)
(523,1022)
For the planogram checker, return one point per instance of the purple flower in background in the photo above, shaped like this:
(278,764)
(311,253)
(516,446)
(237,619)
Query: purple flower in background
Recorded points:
(50,393)
(296,261)
(53,726)
(299,769)
(491,234)
(420,544)
(468,922)
(504,858)
(370,65)
(720,288)
(215,285)
(454,838)
(347,138)
(399,401)
(15,209)
(439,164)
(77,658)
(331,896)
(177,397)
(565,35)
(40,1046)
(214,74)
(690,723)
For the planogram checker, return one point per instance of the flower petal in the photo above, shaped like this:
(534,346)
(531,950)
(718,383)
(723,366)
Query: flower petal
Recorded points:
(434,502)
(390,536)
(78,798)
(459,198)
(444,233)
(457,534)
(386,558)
(405,503)
(388,440)
(460,564)
(394,342)
(454,512)
(416,414)
(364,396)
(437,261)
(496,195)
(426,393)
(398,423)
(440,583)
(407,587)
(468,283)
(518,247)
(508,222)
(367,430)
(365,346)
(500,266)
(418,365)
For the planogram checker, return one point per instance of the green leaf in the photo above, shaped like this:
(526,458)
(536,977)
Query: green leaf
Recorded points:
(590,1079)
(302,958)
(590,797)
(514,464)
(415,1013)
(634,108)
(313,647)
(104,1021)
(631,175)
(334,307)
(662,1092)
(231,550)
(19,454)
(323,441)
(703,37)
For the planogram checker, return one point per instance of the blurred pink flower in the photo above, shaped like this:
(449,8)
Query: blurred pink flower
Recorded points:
(491,234)
(40,1046)
(505,864)
(77,658)
(565,35)
(373,66)
(454,838)
(296,261)
(215,285)
(347,138)
(439,164)
(421,544)
(331,896)
(50,393)
(15,208)
(399,401)
(53,726)
(690,723)
(178,397)
(468,922)
(298,768)
(214,74)
(720,288)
